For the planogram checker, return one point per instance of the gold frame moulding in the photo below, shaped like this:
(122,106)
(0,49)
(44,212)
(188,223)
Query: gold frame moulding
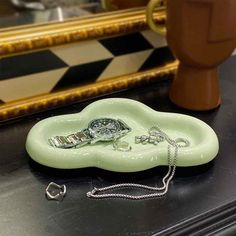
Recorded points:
(37,37)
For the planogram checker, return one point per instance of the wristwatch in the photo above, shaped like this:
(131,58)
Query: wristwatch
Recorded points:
(102,129)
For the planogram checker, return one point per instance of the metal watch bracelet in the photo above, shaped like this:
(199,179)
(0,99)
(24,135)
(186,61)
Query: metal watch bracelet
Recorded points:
(78,139)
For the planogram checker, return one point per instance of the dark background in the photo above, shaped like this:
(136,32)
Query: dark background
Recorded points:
(200,201)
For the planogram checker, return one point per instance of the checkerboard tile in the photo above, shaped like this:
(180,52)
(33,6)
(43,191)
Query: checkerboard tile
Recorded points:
(126,44)
(82,74)
(76,64)
(125,64)
(82,53)
(29,64)
(156,40)
(158,57)
(30,85)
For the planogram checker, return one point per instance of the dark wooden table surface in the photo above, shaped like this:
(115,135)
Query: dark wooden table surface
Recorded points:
(200,201)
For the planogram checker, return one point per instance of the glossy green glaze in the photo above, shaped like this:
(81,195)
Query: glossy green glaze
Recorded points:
(203,148)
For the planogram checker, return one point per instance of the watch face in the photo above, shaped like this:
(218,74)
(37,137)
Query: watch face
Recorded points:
(104,129)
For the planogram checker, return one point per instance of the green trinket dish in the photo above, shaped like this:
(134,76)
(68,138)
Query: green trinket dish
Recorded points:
(140,118)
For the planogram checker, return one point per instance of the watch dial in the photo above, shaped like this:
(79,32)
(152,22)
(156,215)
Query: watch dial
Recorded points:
(104,128)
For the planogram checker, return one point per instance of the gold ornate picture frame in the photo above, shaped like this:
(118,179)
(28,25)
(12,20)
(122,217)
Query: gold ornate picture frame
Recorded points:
(36,37)
(18,40)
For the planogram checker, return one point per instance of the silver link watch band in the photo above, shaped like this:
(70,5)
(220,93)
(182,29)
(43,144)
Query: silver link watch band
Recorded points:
(73,140)
(101,129)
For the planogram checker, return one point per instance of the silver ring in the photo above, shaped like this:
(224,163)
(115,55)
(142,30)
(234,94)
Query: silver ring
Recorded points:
(121,146)
(55,191)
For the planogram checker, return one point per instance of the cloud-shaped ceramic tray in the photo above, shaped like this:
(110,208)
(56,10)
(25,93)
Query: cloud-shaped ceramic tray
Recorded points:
(203,140)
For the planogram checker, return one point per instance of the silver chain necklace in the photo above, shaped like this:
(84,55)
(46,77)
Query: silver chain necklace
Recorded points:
(98,193)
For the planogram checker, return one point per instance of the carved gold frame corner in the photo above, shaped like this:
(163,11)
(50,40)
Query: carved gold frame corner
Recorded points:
(38,37)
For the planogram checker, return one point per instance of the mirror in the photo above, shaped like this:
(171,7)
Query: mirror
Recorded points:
(36,56)
(23,12)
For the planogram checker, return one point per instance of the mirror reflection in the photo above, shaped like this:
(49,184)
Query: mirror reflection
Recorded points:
(21,12)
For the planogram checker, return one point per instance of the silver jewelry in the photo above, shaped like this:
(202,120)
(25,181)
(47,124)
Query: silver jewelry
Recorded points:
(144,139)
(102,129)
(152,138)
(55,191)
(121,146)
(158,191)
